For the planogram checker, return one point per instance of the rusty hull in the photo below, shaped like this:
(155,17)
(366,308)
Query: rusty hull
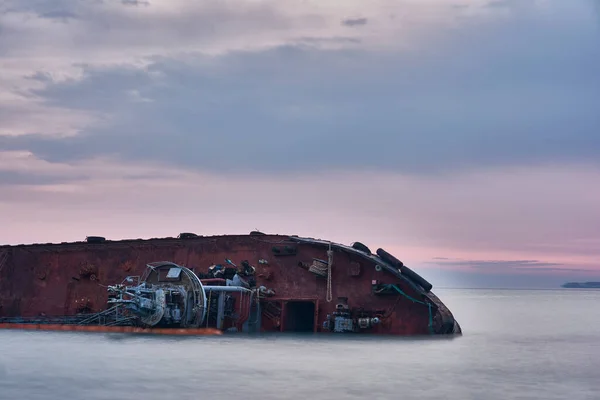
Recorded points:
(70,278)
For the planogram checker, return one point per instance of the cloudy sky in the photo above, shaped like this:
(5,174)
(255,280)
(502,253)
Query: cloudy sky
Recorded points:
(461,135)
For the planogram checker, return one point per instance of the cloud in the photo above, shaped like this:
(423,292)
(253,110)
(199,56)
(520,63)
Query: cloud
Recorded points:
(35,41)
(355,21)
(517,105)
(135,2)
(457,272)
(61,15)
(18,178)
(524,280)
(567,270)
(498,264)
(501,3)
(24,171)
(23,115)
(508,267)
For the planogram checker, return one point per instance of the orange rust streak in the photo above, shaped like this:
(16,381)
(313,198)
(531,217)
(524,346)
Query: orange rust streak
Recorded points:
(111,329)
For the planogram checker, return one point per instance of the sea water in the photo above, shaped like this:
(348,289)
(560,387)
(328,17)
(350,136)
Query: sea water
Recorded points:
(517,344)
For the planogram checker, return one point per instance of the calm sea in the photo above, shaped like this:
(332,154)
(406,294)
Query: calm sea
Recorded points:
(517,344)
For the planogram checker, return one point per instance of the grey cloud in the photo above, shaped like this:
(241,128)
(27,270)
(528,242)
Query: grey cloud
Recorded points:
(500,3)
(40,76)
(113,29)
(135,2)
(62,15)
(32,178)
(534,265)
(504,273)
(45,8)
(354,21)
(522,280)
(543,269)
(565,247)
(495,98)
(311,41)
(10,177)
(513,5)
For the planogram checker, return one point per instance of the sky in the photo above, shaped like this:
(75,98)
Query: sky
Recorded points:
(461,136)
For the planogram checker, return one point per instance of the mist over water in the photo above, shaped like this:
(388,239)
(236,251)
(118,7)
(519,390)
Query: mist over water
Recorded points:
(517,344)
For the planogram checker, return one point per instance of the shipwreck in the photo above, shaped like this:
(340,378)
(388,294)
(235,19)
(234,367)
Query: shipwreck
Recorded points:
(232,283)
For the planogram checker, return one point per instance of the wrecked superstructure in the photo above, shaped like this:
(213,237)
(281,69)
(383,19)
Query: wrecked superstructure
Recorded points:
(241,283)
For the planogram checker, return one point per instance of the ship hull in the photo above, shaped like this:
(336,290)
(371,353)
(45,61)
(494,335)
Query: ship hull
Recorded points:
(64,280)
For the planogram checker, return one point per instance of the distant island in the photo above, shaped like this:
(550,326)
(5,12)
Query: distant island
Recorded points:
(582,285)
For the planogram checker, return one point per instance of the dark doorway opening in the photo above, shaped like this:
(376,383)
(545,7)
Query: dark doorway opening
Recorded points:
(299,316)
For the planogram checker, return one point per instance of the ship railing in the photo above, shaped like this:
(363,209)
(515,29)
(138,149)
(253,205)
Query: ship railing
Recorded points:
(109,317)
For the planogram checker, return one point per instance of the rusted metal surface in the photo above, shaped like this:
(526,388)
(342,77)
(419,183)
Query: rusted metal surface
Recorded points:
(71,278)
